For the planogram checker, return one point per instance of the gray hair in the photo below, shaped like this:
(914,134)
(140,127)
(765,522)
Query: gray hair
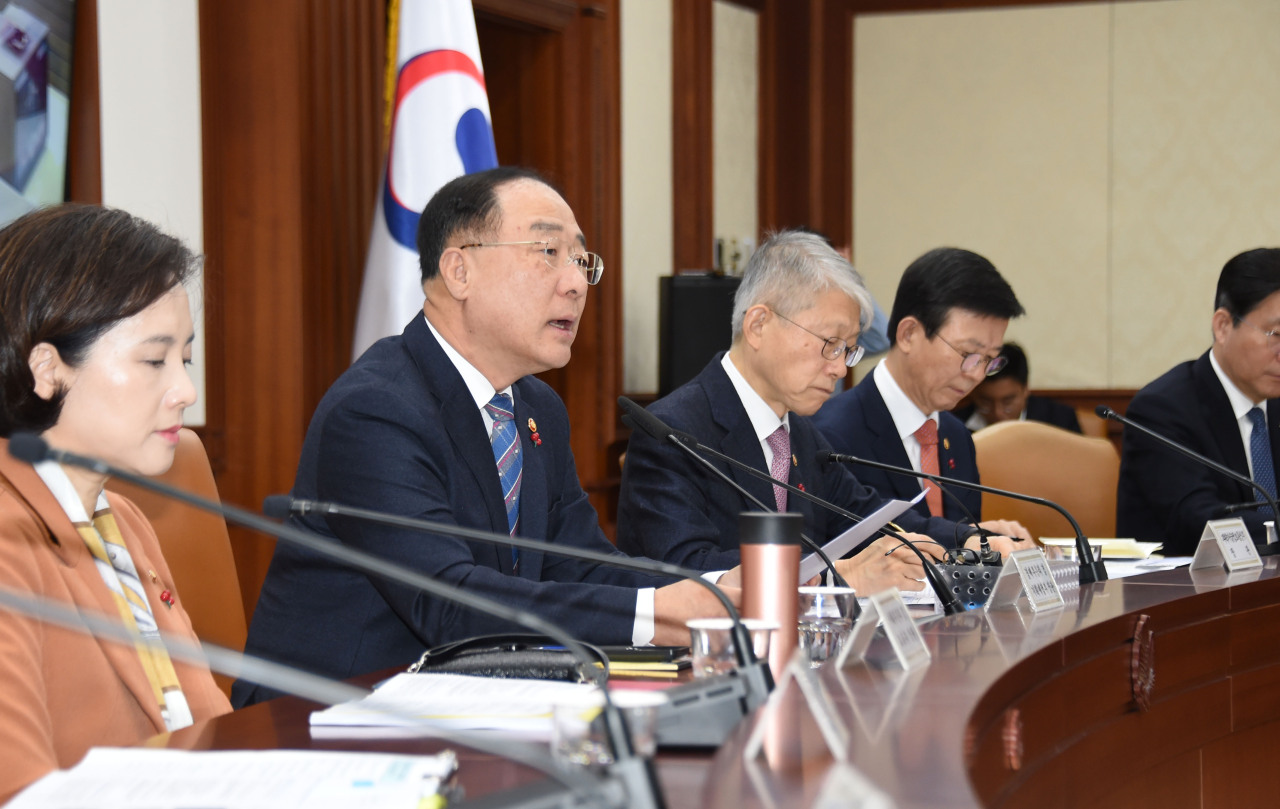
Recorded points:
(790,270)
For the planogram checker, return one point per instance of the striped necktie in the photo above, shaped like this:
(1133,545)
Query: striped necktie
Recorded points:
(506,453)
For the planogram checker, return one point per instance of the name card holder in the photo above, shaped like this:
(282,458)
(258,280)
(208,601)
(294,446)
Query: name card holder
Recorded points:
(821,707)
(1226,544)
(886,607)
(1029,573)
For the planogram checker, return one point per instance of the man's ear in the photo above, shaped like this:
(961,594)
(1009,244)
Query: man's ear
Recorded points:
(910,332)
(1222,325)
(753,323)
(46,367)
(454,273)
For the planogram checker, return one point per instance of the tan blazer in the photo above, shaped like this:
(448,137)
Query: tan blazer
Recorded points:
(62,692)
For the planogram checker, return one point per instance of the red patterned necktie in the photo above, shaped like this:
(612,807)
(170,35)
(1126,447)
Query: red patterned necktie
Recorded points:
(927,435)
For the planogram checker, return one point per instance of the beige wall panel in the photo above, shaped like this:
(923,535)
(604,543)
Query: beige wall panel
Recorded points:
(736,93)
(989,130)
(647,244)
(1196,168)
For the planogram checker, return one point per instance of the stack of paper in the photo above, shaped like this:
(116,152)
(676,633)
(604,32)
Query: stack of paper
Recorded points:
(140,778)
(456,701)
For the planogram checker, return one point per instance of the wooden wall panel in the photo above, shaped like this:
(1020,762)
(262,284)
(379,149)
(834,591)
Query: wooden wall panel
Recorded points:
(691,163)
(292,121)
(84,138)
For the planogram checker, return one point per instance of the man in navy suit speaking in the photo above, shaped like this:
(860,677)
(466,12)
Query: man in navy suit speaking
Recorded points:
(444,422)
(796,320)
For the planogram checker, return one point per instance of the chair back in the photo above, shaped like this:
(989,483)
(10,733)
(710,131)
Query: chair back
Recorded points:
(1077,472)
(196,547)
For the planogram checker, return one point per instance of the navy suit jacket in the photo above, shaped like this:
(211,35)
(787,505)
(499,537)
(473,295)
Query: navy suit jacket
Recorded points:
(1049,411)
(671,508)
(1165,497)
(1039,408)
(399,433)
(857,422)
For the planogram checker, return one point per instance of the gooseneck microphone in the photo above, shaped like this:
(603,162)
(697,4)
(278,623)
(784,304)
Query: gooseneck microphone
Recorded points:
(636,417)
(657,429)
(1107,413)
(285,679)
(635,772)
(700,713)
(1091,569)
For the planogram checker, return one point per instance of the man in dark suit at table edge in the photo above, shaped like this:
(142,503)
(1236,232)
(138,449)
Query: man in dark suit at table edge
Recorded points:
(946,328)
(1223,405)
(796,319)
(421,425)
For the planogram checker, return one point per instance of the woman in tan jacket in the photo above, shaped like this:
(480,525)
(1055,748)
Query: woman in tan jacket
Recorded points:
(95,334)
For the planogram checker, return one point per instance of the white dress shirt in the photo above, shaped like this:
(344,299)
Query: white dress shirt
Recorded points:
(907,418)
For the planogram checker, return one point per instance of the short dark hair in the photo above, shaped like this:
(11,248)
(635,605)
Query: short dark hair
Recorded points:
(1248,279)
(947,278)
(1016,368)
(69,273)
(466,204)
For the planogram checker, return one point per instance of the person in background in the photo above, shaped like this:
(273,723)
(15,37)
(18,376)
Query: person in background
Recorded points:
(948,322)
(797,314)
(1004,396)
(1223,405)
(95,335)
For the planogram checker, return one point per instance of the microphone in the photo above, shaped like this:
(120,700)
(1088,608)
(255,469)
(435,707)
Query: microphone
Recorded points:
(638,775)
(282,678)
(699,713)
(637,416)
(1091,569)
(1107,413)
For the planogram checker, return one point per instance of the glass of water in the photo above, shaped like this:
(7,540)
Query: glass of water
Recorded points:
(826,619)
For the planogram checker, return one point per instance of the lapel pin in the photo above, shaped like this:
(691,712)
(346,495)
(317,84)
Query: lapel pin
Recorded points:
(800,486)
(794,462)
(533,433)
(946,443)
(951,463)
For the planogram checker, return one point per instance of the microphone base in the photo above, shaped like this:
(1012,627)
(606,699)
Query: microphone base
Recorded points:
(704,712)
(1090,573)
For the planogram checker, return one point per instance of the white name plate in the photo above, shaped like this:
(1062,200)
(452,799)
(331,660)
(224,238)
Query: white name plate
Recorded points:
(1226,544)
(1026,571)
(886,608)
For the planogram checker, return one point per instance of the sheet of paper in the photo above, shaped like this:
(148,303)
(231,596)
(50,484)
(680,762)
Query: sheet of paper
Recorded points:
(456,701)
(141,778)
(812,564)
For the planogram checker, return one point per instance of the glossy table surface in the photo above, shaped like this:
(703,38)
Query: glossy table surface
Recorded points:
(1010,701)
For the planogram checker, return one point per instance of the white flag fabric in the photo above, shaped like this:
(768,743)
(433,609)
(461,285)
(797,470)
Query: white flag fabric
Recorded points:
(440,129)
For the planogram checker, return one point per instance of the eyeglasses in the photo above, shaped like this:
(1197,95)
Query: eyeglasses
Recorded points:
(1272,335)
(589,264)
(833,348)
(971,362)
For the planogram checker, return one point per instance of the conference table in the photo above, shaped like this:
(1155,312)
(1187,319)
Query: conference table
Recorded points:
(1159,690)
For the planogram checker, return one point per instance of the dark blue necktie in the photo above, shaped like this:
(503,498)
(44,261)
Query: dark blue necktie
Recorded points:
(506,452)
(1264,473)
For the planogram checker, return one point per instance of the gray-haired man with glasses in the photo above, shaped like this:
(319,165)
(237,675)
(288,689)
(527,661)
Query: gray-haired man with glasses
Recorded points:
(796,320)
(945,331)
